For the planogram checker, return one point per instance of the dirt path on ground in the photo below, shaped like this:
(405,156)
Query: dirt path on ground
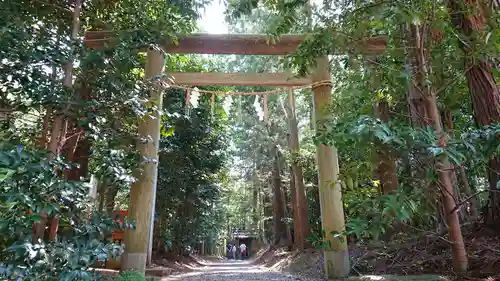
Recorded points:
(231,270)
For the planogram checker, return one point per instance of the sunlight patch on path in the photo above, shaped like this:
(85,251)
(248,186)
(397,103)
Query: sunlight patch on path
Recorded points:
(229,271)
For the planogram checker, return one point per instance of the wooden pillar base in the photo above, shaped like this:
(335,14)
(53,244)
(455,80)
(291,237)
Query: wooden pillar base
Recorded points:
(336,263)
(133,261)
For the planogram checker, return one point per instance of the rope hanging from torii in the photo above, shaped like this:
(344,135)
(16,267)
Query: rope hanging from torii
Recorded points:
(193,95)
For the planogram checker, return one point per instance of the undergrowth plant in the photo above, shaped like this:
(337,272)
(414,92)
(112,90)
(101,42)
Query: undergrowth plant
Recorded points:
(131,276)
(29,185)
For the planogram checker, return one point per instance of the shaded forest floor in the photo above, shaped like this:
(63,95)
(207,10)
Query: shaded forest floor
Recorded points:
(426,255)
(161,267)
(430,254)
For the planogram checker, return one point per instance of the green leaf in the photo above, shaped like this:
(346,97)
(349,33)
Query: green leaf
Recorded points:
(167,132)
(6,173)
(5,159)
(35,217)
(453,158)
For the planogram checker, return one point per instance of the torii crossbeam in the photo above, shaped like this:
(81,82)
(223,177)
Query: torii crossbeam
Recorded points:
(242,44)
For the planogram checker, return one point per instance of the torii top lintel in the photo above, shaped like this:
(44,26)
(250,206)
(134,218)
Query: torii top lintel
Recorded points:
(244,44)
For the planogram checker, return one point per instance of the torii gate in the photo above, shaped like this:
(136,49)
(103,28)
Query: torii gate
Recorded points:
(142,193)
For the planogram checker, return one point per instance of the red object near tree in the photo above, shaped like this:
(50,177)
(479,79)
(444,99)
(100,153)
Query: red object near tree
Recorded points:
(119,216)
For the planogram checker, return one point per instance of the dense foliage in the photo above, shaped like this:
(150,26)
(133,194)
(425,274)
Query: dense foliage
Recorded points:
(57,134)
(192,158)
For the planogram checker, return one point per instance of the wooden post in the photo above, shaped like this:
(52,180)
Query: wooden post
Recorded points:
(142,191)
(330,195)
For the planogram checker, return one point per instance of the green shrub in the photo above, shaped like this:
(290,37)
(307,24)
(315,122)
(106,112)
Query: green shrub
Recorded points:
(131,276)
(30,184)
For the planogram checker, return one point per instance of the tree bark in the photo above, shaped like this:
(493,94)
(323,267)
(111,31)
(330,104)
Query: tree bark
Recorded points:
(111,193)
(442,164)
(53,146)
(286,211)
(484,92)
(444,168)
(60,125)
(42,142)
(39,228)
(448,124)
(299,192)
(101,194)
(468,191)
(255,194)
(296,224)
(280,225)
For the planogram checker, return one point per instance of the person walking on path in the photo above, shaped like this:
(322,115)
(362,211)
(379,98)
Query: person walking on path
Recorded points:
(243,250)
(233,250)
(229,247)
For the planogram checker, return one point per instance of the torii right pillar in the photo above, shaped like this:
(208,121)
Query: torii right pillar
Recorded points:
(336,258)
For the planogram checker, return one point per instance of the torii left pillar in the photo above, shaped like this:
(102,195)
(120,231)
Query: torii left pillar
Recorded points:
(142,192)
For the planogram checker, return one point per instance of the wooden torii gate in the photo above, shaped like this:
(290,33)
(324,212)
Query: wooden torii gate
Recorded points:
(142,193)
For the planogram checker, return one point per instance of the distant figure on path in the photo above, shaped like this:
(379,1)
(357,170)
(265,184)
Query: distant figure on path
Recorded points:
(243,249)
(234,251)
(229,248)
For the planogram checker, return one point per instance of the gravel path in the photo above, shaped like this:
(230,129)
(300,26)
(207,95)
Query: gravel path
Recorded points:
(230,270)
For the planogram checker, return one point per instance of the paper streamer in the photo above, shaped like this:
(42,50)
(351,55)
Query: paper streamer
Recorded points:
(228,101)
(193,99)
(258,108)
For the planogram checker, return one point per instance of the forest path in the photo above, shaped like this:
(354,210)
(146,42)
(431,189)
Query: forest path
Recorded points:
(231,270)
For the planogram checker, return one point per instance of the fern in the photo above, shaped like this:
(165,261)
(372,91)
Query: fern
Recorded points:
(131,276)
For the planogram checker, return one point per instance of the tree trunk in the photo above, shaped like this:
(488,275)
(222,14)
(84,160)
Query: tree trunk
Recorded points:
(160,227)
(267,225)
(101,194)
(444,168)
(385,163)
(468,191)
(482,87)
(262,212)
(286,212)
(59,127)
(492,217)
(442,164)
(296,223)
(39,228)
(255,194)
(448,124)
(111,193)
(278,202)
(386,169)
(299,192)
(55,136)
(42,142)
